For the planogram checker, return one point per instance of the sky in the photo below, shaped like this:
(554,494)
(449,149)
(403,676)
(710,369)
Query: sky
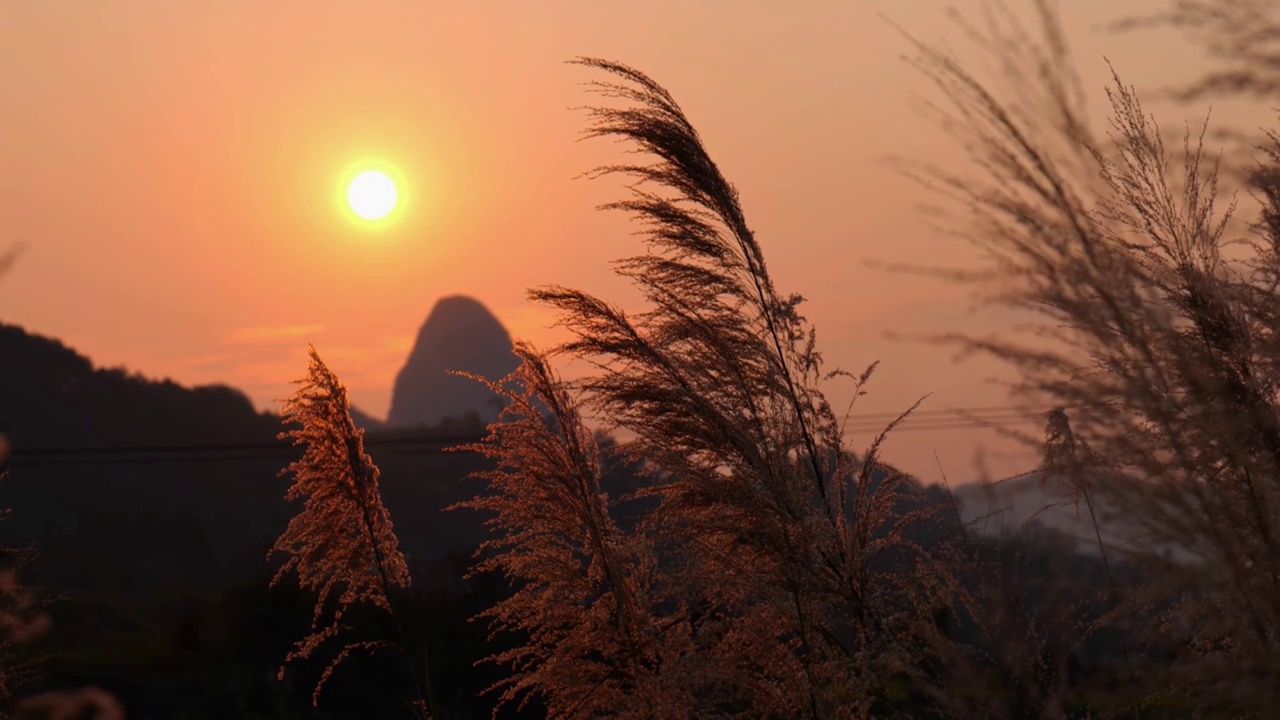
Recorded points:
(171,169)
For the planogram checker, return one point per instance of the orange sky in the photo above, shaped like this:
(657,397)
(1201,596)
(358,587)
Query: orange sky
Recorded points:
(171,165)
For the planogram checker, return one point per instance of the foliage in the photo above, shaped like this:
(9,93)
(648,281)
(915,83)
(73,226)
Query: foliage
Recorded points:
(341,545)
(600,635)
(776,574)
(1238,35)
(1156,330)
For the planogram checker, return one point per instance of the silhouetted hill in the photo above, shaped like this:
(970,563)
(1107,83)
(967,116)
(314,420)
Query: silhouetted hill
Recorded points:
(459,334)
(103,455)
(365,421)
(152,507)
(51,395)
(1041,501)
(147,502)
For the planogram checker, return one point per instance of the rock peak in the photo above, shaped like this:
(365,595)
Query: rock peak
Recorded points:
(459,334)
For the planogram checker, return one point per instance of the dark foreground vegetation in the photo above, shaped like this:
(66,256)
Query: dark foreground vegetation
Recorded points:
(737,556)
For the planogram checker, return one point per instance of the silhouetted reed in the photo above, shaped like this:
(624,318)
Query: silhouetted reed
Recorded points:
(761,582)
(1156,335)
(775,572)
(341,544)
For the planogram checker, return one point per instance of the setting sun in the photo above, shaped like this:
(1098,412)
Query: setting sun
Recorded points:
(372,195)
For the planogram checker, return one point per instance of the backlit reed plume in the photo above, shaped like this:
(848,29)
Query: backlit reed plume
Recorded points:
(588,598)
(806,597)
(341,544)
(1159,332)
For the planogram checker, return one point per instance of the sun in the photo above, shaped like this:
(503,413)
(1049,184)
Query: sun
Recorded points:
(372,195)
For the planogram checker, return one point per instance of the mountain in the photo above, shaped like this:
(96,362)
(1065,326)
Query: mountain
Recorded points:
(99,452)
(51,395)
(1038,499)
(150,508)
(459,334)
(365,421)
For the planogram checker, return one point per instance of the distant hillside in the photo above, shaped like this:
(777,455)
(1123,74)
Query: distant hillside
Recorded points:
(1008,507)
(365,421)
(51,395)
(152,506)
(127,482)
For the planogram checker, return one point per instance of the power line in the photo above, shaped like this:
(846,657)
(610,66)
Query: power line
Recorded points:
(220,452)
(863,423)
(431,439)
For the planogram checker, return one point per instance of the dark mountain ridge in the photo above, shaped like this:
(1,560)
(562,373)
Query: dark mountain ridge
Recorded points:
(51,396)
(105,451)
(161,555)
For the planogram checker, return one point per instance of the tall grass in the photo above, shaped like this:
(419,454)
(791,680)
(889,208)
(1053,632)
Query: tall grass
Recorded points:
(777,571)
(341,545)
(1157,331)
(775,574)
(603,632)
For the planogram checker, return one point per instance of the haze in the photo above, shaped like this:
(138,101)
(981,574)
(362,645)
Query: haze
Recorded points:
(168,167)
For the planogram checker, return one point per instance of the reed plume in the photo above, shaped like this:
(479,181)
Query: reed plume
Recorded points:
(341,545)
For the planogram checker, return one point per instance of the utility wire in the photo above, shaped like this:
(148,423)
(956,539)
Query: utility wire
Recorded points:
(863,423)
(219,452)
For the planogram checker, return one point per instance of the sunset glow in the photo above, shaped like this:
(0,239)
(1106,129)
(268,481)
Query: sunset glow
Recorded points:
(663,359)
(239,127)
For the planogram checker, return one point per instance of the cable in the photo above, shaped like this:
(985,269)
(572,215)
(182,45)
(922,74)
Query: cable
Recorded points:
(248,446)
(866,423)
(236,452)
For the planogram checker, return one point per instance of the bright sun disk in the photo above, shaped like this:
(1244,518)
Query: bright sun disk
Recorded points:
(372,195)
